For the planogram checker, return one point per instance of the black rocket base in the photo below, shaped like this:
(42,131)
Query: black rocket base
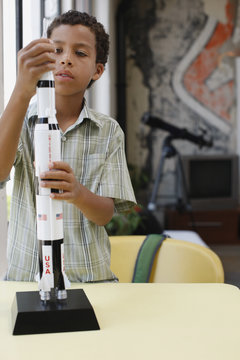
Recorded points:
(30,315)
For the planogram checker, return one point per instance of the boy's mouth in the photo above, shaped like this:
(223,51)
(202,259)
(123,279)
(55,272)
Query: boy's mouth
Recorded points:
(64,74)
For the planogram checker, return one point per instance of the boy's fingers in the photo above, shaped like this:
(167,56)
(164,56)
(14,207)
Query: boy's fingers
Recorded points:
(61,196)
(60,165)
(37,54)
(54,175)
(36,58)
(41,60)
(62,185)
(40,49)
(35,42)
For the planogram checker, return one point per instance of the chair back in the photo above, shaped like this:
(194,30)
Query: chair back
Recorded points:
(176,261)
(124,251)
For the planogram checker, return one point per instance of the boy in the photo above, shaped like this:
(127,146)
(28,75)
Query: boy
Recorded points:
(92,176)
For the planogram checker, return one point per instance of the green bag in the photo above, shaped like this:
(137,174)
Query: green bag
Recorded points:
(146,256)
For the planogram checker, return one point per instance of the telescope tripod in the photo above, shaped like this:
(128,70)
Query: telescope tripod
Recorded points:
(169,151)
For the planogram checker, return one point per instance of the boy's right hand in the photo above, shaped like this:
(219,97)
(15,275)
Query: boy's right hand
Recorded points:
(33,61)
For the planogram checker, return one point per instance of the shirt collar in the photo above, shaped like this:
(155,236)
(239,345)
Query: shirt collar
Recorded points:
(85,114)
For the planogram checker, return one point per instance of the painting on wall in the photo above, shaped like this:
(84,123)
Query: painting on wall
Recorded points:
(190,83)
(201,81)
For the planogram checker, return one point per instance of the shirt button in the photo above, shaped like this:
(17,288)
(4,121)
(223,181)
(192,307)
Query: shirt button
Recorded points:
(64,138)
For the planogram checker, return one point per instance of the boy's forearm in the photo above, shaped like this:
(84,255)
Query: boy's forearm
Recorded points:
(33,60)
(96,208)
(10,129)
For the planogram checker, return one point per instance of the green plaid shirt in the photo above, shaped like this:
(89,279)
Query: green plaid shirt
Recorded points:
(94,148)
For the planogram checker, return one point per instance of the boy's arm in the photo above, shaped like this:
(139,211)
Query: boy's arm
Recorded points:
(96,208)
(33,60)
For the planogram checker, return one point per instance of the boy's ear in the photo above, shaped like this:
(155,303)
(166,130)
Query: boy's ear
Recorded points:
(99,71)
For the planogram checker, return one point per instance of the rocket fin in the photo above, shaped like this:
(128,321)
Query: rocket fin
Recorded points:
(46,283)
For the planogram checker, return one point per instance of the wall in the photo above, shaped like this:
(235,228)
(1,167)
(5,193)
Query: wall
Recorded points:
(177,71)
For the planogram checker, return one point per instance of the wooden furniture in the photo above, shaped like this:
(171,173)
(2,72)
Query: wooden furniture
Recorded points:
(176,261)
(137,321)
(220,226)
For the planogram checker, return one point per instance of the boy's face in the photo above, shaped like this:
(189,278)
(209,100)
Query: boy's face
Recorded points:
(75,59)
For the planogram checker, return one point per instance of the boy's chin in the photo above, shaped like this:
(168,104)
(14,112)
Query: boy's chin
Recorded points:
(67,92)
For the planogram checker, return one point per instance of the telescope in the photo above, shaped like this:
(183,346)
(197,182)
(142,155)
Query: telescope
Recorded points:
(176,132)
(168,150)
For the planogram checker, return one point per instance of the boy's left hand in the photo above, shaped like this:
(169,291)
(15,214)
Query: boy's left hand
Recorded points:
(61,176)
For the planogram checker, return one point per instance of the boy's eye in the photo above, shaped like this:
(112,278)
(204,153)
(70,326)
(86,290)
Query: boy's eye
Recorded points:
(58,50)
(80,53)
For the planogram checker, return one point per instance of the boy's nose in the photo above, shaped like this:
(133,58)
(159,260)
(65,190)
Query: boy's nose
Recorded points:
(66,62)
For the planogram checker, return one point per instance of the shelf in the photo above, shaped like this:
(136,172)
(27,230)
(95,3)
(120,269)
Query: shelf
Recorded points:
(218,226)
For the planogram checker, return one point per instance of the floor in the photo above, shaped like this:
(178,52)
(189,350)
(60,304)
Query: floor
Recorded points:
(230,257)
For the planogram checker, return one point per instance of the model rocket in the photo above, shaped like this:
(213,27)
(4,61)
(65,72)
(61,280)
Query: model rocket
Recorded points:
(47,141)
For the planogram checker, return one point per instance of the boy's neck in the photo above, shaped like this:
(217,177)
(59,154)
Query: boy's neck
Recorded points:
(68,110)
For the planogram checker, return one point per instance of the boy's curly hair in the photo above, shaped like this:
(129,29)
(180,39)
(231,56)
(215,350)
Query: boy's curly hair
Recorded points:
(74,17)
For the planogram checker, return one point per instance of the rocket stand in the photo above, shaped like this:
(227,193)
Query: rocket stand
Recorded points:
(31,315)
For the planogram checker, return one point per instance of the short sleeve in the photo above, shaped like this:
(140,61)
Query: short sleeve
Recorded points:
(16,160)
(19,151)
(115,181)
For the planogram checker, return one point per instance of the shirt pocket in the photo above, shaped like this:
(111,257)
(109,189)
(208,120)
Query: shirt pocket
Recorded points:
(89,172)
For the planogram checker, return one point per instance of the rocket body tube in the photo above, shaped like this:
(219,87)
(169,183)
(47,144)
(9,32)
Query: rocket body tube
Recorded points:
(47,142)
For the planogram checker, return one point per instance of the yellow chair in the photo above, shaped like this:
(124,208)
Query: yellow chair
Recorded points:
(176,261)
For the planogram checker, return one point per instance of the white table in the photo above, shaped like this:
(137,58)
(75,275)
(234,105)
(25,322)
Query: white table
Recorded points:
(138,321)
(186,235)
